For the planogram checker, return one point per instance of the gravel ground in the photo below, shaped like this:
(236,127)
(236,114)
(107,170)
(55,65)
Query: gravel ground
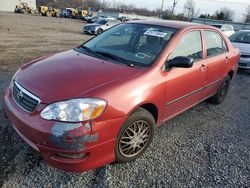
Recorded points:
(207,146)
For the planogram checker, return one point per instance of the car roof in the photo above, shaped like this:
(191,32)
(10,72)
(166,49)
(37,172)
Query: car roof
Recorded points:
(170,23)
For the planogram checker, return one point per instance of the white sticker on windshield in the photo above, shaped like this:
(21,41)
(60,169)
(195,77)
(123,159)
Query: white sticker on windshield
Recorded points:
(155,33)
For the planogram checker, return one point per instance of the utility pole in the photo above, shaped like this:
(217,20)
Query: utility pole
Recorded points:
(174,5)
(162,4)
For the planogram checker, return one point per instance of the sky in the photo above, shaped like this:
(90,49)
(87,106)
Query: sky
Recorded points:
(205,6)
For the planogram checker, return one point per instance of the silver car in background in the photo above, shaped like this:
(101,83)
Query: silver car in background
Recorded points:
(227,29)
(100,25)
(241,40)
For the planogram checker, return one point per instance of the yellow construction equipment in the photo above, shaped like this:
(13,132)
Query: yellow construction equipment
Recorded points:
(49,11)
(85,12)
(43,10)
(23,8)
(73,13)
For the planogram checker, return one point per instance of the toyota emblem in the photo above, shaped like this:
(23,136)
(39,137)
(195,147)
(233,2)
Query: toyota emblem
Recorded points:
(20,95)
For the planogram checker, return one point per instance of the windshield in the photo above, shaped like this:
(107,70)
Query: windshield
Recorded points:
(135,44)
(241,37)
(101,22)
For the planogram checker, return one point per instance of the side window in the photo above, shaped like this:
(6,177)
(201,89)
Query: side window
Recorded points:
(215,43)
(190,46)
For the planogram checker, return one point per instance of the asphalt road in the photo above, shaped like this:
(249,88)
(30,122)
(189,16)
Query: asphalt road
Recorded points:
(207,146)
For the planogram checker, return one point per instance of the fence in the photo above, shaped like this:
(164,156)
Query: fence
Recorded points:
(237,25)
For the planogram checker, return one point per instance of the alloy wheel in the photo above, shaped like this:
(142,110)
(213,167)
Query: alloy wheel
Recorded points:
(135,138)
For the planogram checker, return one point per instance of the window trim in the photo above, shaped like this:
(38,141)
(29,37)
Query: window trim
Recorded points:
(205,42)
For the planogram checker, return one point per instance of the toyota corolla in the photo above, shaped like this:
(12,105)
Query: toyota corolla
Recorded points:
(101,102)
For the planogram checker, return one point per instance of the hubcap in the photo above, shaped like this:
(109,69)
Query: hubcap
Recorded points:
(135,138)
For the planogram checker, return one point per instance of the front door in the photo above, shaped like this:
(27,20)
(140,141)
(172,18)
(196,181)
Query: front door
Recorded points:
(185,85)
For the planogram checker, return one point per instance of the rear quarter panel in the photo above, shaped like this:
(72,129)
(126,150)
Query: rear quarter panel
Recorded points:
(233,59)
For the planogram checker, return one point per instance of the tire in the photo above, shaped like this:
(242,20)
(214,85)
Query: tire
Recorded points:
(128,146)
(220,95)
(49,14)
(99,31)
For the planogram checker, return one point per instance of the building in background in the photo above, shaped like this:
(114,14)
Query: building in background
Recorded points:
(9,5)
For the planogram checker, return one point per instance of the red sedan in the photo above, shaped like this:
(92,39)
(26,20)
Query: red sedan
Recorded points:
(100,102)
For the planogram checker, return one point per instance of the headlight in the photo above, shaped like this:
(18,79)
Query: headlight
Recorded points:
(74,110)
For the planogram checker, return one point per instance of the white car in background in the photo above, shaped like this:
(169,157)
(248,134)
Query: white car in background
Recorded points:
(227,29)
(241,40)
(100,25)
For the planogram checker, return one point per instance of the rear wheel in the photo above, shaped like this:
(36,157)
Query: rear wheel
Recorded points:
(221,93)
(135,136)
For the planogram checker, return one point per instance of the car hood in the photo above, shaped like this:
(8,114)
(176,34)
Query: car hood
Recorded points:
(243,47)
(70,74)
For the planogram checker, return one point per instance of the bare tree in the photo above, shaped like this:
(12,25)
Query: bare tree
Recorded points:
(247,15)
(224,14)
(189,9)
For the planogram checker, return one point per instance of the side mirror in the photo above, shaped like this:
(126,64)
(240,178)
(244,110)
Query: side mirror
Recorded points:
(181,61)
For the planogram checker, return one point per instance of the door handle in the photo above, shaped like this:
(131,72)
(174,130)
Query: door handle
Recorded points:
(203,67)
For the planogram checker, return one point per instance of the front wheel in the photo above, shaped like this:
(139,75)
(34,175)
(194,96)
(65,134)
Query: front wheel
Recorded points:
(99,31)
(135,136)
(222,92)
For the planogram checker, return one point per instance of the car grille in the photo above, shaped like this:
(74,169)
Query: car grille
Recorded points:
(24,98)
(89,28)
(245,56)
(242,64)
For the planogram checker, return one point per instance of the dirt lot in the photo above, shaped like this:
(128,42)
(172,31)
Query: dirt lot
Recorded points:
(207,146)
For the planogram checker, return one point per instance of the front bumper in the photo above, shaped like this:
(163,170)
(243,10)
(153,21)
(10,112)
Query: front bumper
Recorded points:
(244,63)
(88,31)
(55,139)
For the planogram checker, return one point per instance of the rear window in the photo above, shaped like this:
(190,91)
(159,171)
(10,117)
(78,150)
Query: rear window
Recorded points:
(215,43)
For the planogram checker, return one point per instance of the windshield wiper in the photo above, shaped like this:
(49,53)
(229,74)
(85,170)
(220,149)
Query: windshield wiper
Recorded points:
(90,51)
(117,58)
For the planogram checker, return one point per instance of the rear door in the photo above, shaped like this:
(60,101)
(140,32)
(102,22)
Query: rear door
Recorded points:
(217,57)
(185,85)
